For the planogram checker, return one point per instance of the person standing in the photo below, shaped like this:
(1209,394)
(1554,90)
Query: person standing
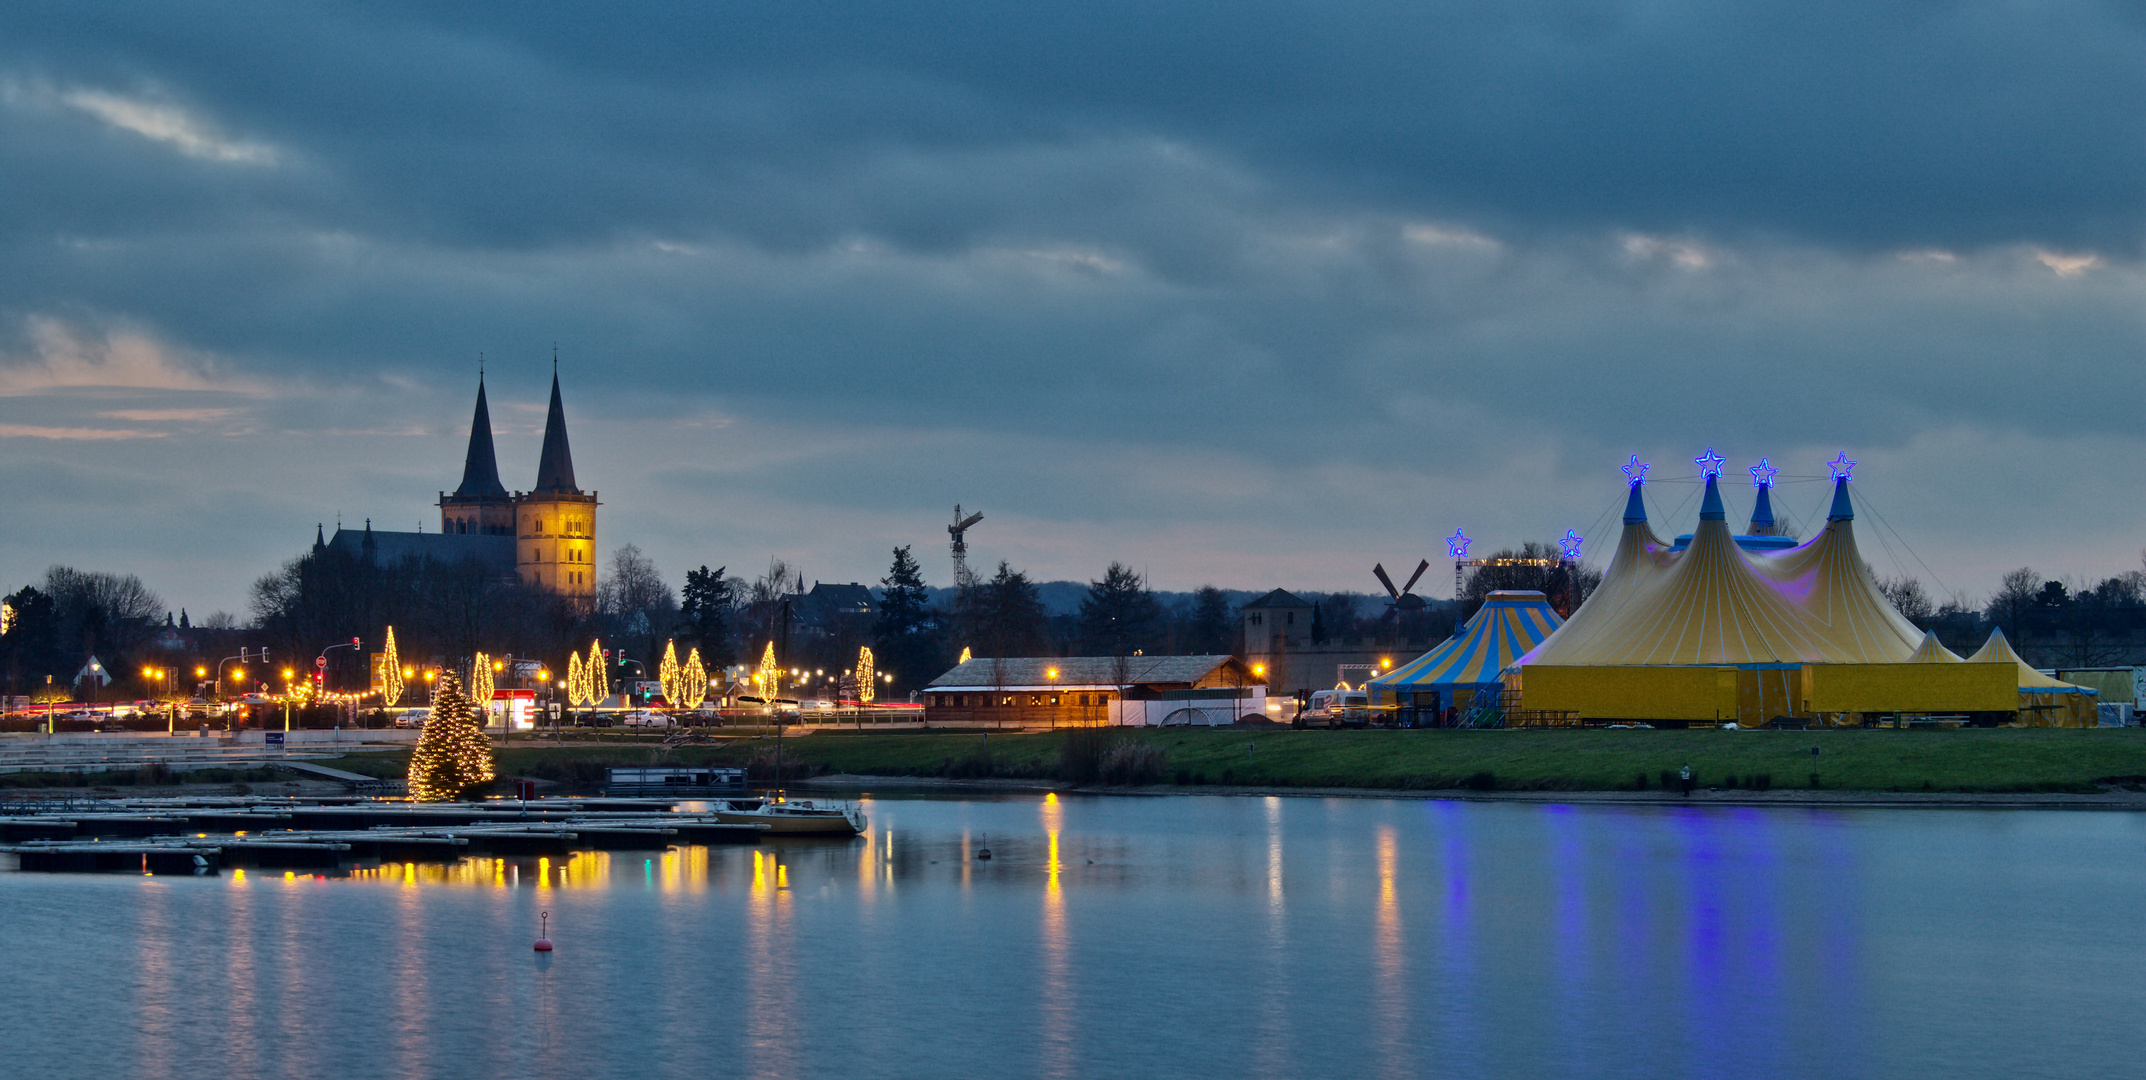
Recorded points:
(1684,777)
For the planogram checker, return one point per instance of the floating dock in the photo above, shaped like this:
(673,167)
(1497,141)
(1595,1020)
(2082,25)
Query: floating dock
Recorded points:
(191,836)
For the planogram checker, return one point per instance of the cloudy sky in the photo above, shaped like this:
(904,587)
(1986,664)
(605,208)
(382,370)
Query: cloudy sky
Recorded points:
(1251,293)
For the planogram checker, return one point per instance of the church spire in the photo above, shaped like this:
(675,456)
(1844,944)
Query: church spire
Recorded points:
(480,467)
(555,469)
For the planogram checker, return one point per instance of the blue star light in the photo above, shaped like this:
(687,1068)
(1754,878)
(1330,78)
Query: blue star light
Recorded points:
(1709,463)
(1457,545)
(1840,466)
(1571,543)
(1762,474)
(1636,471)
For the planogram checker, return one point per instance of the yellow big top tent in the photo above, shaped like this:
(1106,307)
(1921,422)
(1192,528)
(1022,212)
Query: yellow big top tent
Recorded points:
(1751,629)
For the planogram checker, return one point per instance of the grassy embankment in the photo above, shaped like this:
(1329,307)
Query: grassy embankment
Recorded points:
(2004,760)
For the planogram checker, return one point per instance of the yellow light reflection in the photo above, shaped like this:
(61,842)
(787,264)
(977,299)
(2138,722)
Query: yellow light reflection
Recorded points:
(1056,997)
(1389,980)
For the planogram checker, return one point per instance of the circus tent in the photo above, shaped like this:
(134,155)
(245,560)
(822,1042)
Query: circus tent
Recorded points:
(1723,628)
(2042,698)
(1509,623)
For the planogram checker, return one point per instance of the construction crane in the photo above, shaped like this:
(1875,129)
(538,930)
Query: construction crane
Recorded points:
(959,531)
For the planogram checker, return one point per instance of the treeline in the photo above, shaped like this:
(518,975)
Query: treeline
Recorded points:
(2051,623)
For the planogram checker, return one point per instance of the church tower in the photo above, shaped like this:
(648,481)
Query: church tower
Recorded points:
(556,523)
(481,506)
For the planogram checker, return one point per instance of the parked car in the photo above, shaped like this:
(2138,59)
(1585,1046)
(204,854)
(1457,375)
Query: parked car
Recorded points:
(412,718)
(645,719)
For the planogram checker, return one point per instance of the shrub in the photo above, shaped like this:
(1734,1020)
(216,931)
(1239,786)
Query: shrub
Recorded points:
(1669,780)
(1639,782)
(1729,781)
(1761,781)
(1482,781)
(1134,761)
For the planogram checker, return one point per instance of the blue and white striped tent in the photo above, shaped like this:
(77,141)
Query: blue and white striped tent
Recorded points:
(1509,624)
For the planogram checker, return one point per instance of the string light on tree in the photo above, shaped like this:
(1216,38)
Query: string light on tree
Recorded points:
(599,672)
(693,677)
(480,687)
(768,677)
(453,756)
(577,681)
(390,672)
(866,683)
(668,675)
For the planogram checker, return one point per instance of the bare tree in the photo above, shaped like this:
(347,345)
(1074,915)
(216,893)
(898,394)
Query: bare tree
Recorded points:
(634,594)
(1907,596)
(2013,599)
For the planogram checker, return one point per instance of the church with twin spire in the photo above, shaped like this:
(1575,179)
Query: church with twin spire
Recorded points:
(545,536)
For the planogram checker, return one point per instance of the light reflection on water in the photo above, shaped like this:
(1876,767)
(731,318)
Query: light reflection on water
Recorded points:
(1131,937)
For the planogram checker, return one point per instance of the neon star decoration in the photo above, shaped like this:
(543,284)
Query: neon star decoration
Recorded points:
(1457,545)
(1762,474)
(1635,471)
(1840,467)
(1709,463)
(1571,543)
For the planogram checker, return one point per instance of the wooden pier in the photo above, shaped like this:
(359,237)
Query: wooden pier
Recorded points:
(203,835)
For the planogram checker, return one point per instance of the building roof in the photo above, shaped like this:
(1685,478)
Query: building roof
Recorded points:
(555,468)
(1279,598)
(829,598)
(1024,672)
(480,466)
(386,548)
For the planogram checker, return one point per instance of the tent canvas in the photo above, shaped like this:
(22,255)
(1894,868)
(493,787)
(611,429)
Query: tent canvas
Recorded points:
(1510,623)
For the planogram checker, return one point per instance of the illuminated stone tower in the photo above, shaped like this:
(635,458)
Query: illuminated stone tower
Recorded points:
(556,523)
(481,506)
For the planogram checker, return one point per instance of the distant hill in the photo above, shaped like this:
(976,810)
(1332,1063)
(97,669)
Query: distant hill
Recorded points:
(1064,597)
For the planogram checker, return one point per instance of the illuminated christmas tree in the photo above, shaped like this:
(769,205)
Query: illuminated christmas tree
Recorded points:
(694,679)
(599,670)
(668,675)
(865,675)
(480,687)
(390,673)
(453,755)
(769,677)
(577,681)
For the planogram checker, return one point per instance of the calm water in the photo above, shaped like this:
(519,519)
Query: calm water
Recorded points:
(1122,937)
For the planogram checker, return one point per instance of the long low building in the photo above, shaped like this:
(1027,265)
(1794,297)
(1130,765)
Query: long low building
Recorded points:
(1076,691)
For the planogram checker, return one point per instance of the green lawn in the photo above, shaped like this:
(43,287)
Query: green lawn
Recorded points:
(2002,760)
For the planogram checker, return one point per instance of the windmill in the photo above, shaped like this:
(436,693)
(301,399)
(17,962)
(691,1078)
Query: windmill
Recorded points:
(1404,599)
(959,531)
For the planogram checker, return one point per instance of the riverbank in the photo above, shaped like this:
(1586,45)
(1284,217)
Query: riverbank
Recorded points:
(1768,767)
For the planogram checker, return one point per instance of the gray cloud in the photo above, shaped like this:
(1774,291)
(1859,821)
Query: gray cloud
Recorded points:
(1251,293)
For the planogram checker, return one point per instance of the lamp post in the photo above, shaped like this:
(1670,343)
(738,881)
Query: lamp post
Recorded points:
(1051,674)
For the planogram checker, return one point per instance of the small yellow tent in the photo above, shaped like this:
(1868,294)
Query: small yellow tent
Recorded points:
(2043,701)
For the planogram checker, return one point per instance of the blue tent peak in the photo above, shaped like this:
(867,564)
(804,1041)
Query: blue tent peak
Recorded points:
(1711,509)
(1635,508)
(1762,514)
(1842,510)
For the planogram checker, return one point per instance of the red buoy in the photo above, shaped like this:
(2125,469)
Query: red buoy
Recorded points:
(543,941)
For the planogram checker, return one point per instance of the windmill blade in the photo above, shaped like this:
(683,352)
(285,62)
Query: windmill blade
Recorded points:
(1379,569)
(1413,578)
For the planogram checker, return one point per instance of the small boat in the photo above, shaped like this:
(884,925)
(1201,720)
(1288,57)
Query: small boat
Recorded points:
(780,817)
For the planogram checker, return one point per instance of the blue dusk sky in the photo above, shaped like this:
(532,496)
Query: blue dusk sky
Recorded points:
(1252,293)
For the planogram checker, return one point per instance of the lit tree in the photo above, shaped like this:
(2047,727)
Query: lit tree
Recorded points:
(667,674)
(599,671)
(480,687)
(865,675)
(694,677)
(390,673)
(577,681)
(453,755)
(768,675)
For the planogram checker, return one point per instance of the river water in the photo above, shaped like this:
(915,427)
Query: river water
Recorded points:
(1127,937)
